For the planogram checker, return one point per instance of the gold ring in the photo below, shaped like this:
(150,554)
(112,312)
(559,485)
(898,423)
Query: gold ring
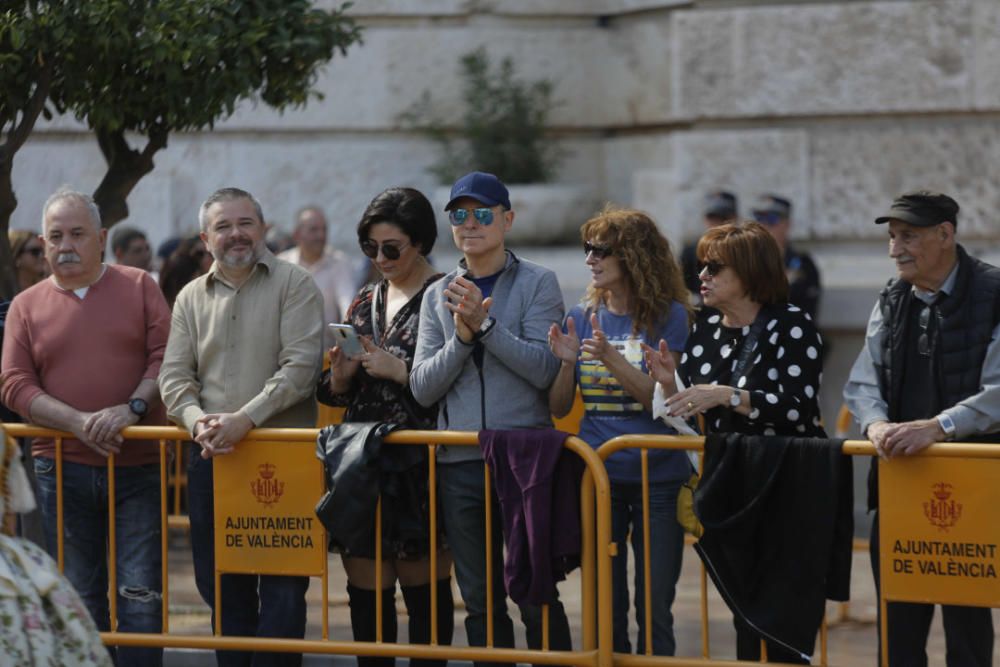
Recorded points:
(690,405)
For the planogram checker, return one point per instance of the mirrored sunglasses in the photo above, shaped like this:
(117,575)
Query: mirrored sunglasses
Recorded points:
(599,251)
(389,250)
(458,216)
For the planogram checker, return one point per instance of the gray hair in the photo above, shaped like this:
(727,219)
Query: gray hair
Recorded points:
(226,194)
(65,194)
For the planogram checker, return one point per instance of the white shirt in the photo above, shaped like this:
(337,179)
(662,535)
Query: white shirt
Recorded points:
(336,277)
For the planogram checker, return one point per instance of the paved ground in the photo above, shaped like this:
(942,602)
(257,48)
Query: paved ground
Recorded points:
(851,641)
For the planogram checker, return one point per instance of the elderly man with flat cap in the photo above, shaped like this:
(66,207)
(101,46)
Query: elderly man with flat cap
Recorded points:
(929,371)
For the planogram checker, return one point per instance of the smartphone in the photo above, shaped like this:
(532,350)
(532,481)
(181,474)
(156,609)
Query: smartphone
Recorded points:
(347,339)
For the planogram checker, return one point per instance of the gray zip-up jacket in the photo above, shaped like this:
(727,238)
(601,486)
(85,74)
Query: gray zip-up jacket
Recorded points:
(510,391)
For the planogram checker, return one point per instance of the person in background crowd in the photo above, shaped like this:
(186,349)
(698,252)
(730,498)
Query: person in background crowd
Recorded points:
(720,207)
(131,248)
(929,371)
(28,252)
(244,352)
(189,260)
(81,353)
(636,294)
(804,290)
(335,273)
(772,392)
(482,356)
(277,239)
(397,231)
(165,250)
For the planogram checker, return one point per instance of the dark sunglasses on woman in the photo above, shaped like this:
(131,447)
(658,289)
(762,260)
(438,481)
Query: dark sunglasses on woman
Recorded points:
(389,250)
(712,268)
(599,251)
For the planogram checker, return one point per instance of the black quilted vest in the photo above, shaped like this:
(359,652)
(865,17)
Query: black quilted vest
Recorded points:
(966,320)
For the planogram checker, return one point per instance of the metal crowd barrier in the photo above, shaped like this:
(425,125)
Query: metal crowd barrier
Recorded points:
(596,618)
(595,563)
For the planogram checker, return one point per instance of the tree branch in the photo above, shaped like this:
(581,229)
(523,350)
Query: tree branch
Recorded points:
(21,131)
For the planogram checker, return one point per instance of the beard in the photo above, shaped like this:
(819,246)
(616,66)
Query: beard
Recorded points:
(239,259)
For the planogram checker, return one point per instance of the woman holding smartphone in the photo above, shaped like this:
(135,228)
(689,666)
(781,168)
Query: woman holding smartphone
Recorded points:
(397,231)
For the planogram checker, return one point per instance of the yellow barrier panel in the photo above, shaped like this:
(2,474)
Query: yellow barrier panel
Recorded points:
(265,499)
(939,531)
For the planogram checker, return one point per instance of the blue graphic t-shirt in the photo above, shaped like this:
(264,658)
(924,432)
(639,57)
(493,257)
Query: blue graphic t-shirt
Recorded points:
(609,411)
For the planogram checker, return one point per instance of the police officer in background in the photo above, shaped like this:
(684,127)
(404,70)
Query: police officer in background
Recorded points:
(929,371)
(720,207)
(775,213)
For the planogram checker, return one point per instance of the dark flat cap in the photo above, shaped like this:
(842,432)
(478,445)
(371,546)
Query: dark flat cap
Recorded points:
(922,208)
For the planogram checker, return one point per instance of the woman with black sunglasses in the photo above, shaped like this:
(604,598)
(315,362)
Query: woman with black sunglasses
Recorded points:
(752,364)
(636,295)
(28,252)
(397,231)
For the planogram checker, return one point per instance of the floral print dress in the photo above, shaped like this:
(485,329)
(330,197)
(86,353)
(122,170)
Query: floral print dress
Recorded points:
(42,619)
(405,499)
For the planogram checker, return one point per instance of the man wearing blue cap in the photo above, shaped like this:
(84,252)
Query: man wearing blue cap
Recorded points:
(482,354)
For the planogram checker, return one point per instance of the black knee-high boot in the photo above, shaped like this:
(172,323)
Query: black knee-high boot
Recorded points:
(363,621)
(418,607)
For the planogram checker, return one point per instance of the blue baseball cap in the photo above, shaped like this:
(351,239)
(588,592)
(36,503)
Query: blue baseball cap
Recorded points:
(484,188)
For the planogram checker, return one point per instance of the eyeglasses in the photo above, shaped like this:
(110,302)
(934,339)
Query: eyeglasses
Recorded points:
(34,252)
(711,268)
(923,342)
(389,250)
(458,216)
(599,251)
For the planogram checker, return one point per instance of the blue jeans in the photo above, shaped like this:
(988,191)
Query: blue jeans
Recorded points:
(463,509)
(666,548)
(138,545)
(251,606)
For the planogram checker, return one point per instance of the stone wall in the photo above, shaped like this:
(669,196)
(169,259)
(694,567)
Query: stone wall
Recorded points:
(839,105)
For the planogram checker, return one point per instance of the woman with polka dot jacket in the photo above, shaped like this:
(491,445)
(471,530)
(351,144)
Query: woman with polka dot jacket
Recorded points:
(770,389)
(776,391)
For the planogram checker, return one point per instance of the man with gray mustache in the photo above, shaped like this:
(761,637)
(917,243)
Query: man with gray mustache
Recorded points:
(929,371)
(81,354)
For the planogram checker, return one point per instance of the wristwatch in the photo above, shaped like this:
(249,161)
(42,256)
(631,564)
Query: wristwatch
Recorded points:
(138,407)
(735,399)
(947,425)
(484,328)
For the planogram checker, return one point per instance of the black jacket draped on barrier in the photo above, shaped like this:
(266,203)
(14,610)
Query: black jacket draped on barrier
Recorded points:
(357,470)
(778,518)
(538,485)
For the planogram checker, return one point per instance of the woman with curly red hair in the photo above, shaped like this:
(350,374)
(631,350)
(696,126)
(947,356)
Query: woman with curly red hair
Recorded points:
(636,295)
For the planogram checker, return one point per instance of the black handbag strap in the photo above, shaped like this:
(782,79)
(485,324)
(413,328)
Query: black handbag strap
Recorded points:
(743,360)
(747,347)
